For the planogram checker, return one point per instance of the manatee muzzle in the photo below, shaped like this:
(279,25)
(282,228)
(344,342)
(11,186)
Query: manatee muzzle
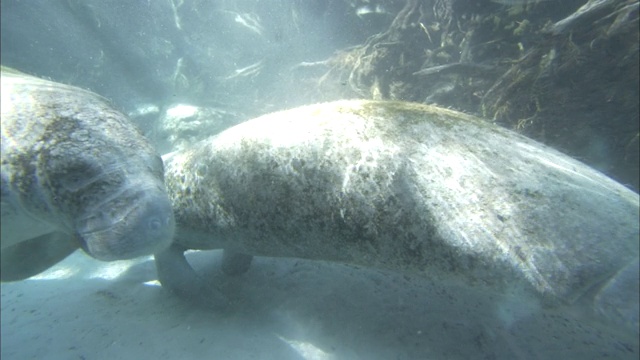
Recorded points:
(135,222)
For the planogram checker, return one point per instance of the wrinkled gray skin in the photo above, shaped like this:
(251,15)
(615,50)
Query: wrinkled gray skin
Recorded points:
(412,188)
(75,174)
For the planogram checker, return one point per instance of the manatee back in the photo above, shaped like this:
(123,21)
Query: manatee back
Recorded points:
(409,187)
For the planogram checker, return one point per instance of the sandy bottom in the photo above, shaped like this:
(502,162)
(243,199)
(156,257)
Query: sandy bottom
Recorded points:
(283,309)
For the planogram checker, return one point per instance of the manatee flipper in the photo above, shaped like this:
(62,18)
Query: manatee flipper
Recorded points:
(33,256)
(176,274)
(234,263)
(618,299)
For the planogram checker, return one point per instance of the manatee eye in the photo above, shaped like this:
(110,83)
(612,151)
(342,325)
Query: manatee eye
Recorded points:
(155,224)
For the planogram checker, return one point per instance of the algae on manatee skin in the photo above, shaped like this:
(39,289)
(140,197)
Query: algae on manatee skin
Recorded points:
(415,113)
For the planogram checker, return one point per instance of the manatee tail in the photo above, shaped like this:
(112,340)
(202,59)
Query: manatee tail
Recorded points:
(234,263)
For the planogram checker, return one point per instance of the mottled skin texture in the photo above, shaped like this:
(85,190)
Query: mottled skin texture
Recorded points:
(404,187)
(75,173)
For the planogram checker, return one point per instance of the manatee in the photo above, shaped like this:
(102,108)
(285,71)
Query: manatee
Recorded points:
(75,174)
(410,188)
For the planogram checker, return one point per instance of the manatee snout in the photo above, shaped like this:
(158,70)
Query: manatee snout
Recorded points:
(138,222)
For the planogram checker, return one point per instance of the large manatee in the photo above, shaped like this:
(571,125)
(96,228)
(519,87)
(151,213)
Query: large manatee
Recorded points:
(407,187)
(75,174)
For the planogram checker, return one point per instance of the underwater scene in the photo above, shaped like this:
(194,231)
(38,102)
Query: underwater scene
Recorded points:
(320,179)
